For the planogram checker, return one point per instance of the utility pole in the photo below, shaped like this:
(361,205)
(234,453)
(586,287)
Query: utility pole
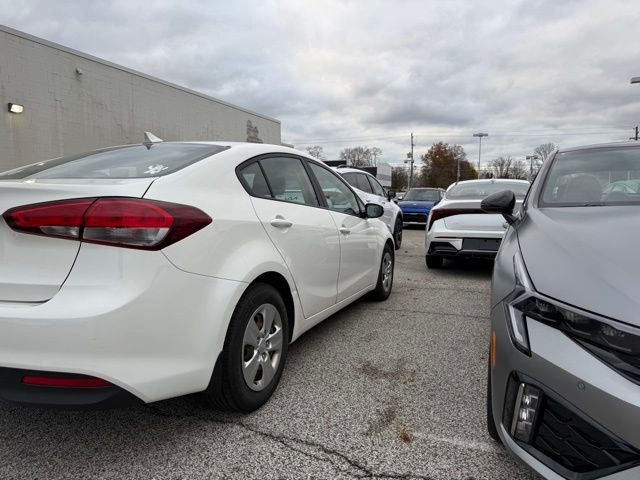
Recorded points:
(410,155)
(635,137)
(480,135)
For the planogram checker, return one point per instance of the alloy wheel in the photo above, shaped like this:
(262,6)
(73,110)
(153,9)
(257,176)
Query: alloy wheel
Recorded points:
(387,271)
(262,347)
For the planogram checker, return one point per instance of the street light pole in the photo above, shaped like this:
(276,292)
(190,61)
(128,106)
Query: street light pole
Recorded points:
(531,158)
(480,135)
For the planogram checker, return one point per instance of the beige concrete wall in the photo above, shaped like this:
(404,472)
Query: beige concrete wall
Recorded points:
(67,112)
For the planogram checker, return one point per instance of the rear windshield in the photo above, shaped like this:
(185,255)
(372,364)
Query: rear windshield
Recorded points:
(133,161)
(598,177)
(422,195)
(482,189)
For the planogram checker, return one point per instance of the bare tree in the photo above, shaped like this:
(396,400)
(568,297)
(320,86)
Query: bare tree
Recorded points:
(316,151)
(544,151)
(360,156)
(508,167)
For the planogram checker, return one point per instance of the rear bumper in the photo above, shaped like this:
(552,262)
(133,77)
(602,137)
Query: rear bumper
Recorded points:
(12,389)
(448,243)
(126,316)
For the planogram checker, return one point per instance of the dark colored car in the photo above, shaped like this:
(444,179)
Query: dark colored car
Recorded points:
(417,203)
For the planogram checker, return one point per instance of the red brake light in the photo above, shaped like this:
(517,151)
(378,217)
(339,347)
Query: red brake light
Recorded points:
(57,219)
(125,222)
(437,214)
(75,382)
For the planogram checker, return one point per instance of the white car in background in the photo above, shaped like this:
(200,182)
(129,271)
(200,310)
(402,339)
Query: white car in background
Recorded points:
(458,228)
(369,189)
(145,272)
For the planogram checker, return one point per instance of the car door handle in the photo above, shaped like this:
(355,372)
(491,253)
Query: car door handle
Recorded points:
(345,230)
(281,223)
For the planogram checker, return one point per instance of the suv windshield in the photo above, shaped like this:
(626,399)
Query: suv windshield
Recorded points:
(482,189)
(603,176)
(133,161)
(422,195)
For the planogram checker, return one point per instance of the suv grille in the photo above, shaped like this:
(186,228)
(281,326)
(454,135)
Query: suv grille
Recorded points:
(414,217)
(576,444)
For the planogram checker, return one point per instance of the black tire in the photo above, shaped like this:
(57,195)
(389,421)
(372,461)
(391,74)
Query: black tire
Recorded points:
(434,262)
(385,282)
(397,233)
(228,389)
(491,423)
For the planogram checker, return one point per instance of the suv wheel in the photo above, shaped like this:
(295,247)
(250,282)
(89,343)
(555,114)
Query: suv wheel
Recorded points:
(397,233)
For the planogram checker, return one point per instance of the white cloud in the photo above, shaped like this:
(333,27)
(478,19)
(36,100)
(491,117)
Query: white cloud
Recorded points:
(376,70)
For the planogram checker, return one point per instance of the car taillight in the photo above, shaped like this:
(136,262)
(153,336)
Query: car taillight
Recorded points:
(437,214)
(124,222)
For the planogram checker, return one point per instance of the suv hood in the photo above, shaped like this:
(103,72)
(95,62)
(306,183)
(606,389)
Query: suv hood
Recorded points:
(416,205)
(586,257)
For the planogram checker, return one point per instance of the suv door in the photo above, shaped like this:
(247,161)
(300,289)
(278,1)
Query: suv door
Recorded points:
(304,233)
(359,254)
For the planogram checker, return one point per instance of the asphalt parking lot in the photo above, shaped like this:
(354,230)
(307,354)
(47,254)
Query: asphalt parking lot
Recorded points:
(380,390)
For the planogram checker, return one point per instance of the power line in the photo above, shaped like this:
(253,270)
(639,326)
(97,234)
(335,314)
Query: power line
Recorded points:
(457,135)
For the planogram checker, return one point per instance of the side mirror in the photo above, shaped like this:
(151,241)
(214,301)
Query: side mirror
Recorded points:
(391,195)
(501,202)
(373,210)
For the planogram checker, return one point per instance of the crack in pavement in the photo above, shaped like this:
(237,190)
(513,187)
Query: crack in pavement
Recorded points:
(425,312)
(286,441)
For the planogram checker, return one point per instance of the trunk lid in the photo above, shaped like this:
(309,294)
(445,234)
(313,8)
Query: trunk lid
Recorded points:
(480,221)
(33,267)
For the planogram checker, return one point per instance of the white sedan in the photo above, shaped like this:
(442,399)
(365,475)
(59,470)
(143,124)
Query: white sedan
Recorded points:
(458,228)
(144,272)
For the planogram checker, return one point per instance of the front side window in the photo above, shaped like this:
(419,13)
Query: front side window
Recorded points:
(598,177)
(338,195)
(288,180)
(133,161)
(377,188)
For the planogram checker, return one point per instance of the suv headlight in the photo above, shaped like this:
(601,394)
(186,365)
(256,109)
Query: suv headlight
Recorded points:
(615,343)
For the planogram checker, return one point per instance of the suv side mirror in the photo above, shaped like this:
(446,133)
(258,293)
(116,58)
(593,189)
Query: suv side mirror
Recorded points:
(373,210)
(391,195)
(501,202)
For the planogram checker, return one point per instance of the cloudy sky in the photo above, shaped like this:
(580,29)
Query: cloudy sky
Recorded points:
(341,73)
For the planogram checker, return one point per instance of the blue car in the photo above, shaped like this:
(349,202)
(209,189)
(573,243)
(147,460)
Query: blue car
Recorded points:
(417,203)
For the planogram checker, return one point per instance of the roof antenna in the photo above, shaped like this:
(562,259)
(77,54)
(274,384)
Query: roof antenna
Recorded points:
(150,139)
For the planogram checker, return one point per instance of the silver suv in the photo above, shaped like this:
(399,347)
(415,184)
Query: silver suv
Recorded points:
(369,190)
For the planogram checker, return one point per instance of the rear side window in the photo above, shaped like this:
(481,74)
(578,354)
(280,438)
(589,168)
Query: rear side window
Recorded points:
(358,181)
(133,161)
(253,177)
(288,180)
